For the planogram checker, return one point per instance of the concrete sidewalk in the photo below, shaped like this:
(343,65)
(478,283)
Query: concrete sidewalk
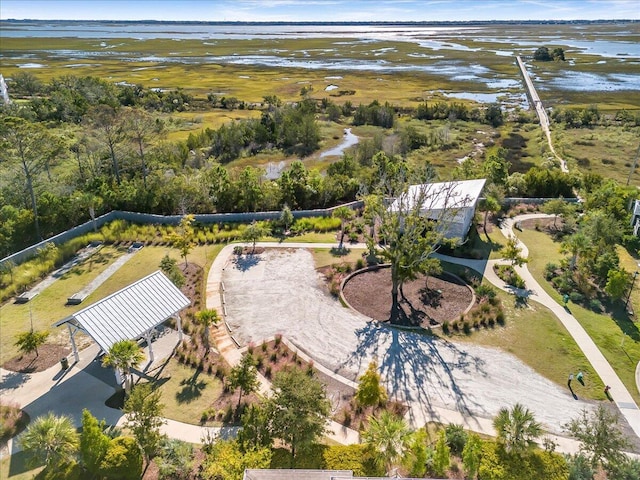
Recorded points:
(87,384)
(620,394)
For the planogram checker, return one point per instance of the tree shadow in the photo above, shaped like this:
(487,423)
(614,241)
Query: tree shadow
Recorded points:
(624,320)
(405,314)
(245,262)
(22,462)
(12,380)
(191,388)
(430,298)
(416,367)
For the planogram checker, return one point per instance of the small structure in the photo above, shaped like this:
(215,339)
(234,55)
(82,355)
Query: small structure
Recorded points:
(129,314)
(454,203)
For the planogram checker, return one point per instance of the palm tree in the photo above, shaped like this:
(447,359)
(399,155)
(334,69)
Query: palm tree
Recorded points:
(388,437)
(344,214)
(576,244)
(50,439)
(491,205)
(207,318)
(517,428)
(124,355)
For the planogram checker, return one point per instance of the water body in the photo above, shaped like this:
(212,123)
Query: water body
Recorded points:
(349,141)
(371,51)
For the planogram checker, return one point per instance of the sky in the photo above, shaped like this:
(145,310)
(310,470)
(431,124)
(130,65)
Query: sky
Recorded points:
(320,10)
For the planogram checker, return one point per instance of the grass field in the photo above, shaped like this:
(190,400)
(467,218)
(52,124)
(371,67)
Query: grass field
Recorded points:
(616,336)
(49,307)
(187,392)
(323,257)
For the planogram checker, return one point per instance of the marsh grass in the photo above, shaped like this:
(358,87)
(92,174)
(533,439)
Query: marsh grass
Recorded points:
(606,150)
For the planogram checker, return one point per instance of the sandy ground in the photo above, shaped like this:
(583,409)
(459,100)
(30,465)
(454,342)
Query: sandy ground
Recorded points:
(279,291)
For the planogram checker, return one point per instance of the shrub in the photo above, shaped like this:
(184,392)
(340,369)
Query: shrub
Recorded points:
(267,371)
(445,327)
(485,291)
(500,317)
(360,263)
(348,457)
(123,459)
(466,327)
(595,305)
(550,271)
(278,339)
(456,438)
(576,297)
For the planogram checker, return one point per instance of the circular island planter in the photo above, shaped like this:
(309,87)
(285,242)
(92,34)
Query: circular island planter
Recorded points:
(447,297)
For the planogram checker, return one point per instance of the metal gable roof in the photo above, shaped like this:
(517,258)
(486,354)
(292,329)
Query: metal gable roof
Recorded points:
(131,312)
(453,195)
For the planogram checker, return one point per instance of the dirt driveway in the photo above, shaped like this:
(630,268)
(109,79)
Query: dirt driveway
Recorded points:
(280,292)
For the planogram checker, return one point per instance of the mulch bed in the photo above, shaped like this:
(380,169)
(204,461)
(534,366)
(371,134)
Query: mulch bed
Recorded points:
(192,287)
(444,299)
(49,355)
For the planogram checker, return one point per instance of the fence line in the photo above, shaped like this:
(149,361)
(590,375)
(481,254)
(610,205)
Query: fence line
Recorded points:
(135,217)
(206,218)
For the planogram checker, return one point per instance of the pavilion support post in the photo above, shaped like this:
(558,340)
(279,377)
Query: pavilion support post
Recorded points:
(179,325)
(74,347)
(148,337)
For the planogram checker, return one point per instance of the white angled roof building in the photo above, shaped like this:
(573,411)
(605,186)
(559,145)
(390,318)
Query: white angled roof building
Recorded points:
(452,204)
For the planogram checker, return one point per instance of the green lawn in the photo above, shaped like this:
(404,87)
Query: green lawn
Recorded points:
(617,337)
(49,307)
(534,335)
(323,257)
(187,392)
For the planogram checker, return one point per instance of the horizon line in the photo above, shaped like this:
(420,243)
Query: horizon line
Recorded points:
(319,22)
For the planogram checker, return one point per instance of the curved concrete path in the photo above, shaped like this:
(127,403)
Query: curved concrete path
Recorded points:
(619,393)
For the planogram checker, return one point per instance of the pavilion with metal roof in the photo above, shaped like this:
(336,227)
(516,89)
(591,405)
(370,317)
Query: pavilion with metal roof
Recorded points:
(129,314)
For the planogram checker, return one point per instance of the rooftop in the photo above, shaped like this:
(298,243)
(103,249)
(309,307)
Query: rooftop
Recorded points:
(131,312)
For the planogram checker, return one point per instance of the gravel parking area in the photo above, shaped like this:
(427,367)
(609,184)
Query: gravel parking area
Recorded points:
(279,291)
